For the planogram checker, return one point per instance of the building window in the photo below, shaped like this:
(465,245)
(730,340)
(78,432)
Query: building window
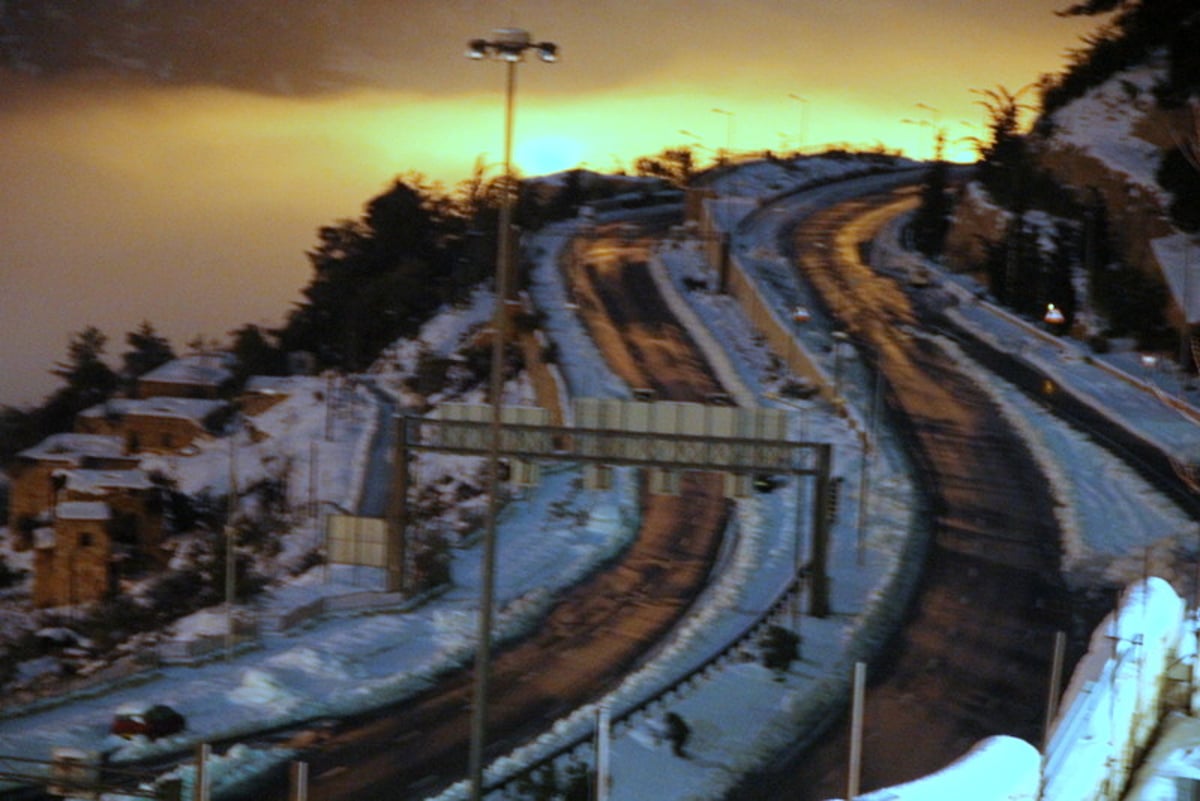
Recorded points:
(85,539)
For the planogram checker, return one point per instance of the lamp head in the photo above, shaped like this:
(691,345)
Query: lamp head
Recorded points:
(511,38)
(510,44)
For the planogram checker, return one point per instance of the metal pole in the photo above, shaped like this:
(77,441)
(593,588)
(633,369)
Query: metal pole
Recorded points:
(230,561)
(803,101)
(500,322)
(838,338)
(869,437)
(1056,671)
(328,407)
(200,790)
(863,490)
(856,725)
(797,549)
(1185,353)
(603,751)
(398,513)
(818,603)
(299,781)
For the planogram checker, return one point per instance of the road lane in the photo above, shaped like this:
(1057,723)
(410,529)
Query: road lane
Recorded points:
(973,659)
(597,631)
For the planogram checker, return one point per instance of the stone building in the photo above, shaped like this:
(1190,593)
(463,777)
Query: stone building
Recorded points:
(33,487)
(197,375)
(154,425)
(262,392)
(135,506)
(106,523)
(72,562)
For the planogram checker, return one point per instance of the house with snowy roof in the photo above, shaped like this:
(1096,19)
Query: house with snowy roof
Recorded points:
(196,375)
(34,487)
(155,425)
(261,392)
(106,524)
(135,503)
(72,560)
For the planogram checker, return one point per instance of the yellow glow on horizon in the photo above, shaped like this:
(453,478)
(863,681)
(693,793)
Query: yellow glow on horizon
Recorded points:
(364,139)
(443,139)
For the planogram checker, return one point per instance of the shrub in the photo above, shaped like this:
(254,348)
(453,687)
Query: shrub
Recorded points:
(678,733)
(780,647)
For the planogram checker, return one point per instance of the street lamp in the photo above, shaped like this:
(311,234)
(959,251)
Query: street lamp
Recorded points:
(508,45)
(935,124)
(803,101)
(801,503)
(728,131)
(839,337)
(231,537)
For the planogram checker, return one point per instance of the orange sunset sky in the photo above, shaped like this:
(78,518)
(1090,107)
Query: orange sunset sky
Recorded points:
(124,200)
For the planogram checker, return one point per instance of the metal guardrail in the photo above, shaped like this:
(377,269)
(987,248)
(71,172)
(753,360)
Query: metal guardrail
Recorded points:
(737,643)
(79,775)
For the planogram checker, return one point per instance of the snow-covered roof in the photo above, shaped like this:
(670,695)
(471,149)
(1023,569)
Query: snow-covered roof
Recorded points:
(202,369)
(97,481)
(70,447)
(82,510)
(195,409)
(275,384)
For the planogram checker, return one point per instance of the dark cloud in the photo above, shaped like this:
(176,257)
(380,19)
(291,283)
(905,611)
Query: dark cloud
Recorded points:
(302,46)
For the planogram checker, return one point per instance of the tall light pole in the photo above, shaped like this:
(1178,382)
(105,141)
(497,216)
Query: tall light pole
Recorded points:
(728,132)
(801,503)
(507,45)
(935,124)
(803,101)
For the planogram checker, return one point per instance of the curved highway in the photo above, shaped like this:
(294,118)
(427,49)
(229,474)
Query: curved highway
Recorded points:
(597,631)
(973,660)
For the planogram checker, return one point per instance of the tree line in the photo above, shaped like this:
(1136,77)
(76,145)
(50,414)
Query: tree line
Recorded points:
(1054,231)
(376,278)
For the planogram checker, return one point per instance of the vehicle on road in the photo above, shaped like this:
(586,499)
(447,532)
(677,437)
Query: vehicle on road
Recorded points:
(158,720)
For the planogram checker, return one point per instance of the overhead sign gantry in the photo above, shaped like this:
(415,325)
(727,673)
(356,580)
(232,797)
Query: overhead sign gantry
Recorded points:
(668,438)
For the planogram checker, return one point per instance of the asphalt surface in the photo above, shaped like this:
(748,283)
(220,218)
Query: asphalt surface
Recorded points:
(597,631)
(973,659)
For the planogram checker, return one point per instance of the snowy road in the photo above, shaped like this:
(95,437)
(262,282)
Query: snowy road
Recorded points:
(979,630)
(596,631)
(739,715)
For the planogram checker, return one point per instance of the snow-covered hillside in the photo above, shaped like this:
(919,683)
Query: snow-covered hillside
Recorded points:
(1109,144)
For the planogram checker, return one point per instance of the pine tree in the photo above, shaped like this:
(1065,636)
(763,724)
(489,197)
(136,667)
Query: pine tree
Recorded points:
(88,378)
(931,221)
(147,351)
(89,381)
(255,354)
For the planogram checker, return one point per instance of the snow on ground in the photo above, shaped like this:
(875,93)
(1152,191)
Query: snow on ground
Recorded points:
(1102,124)
(1180,256)
(1173,763)
(1106,542)
(736,714)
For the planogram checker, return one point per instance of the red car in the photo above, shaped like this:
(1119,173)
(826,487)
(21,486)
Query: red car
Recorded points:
(155,721)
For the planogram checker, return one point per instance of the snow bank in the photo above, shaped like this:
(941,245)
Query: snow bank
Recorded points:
(997,769)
